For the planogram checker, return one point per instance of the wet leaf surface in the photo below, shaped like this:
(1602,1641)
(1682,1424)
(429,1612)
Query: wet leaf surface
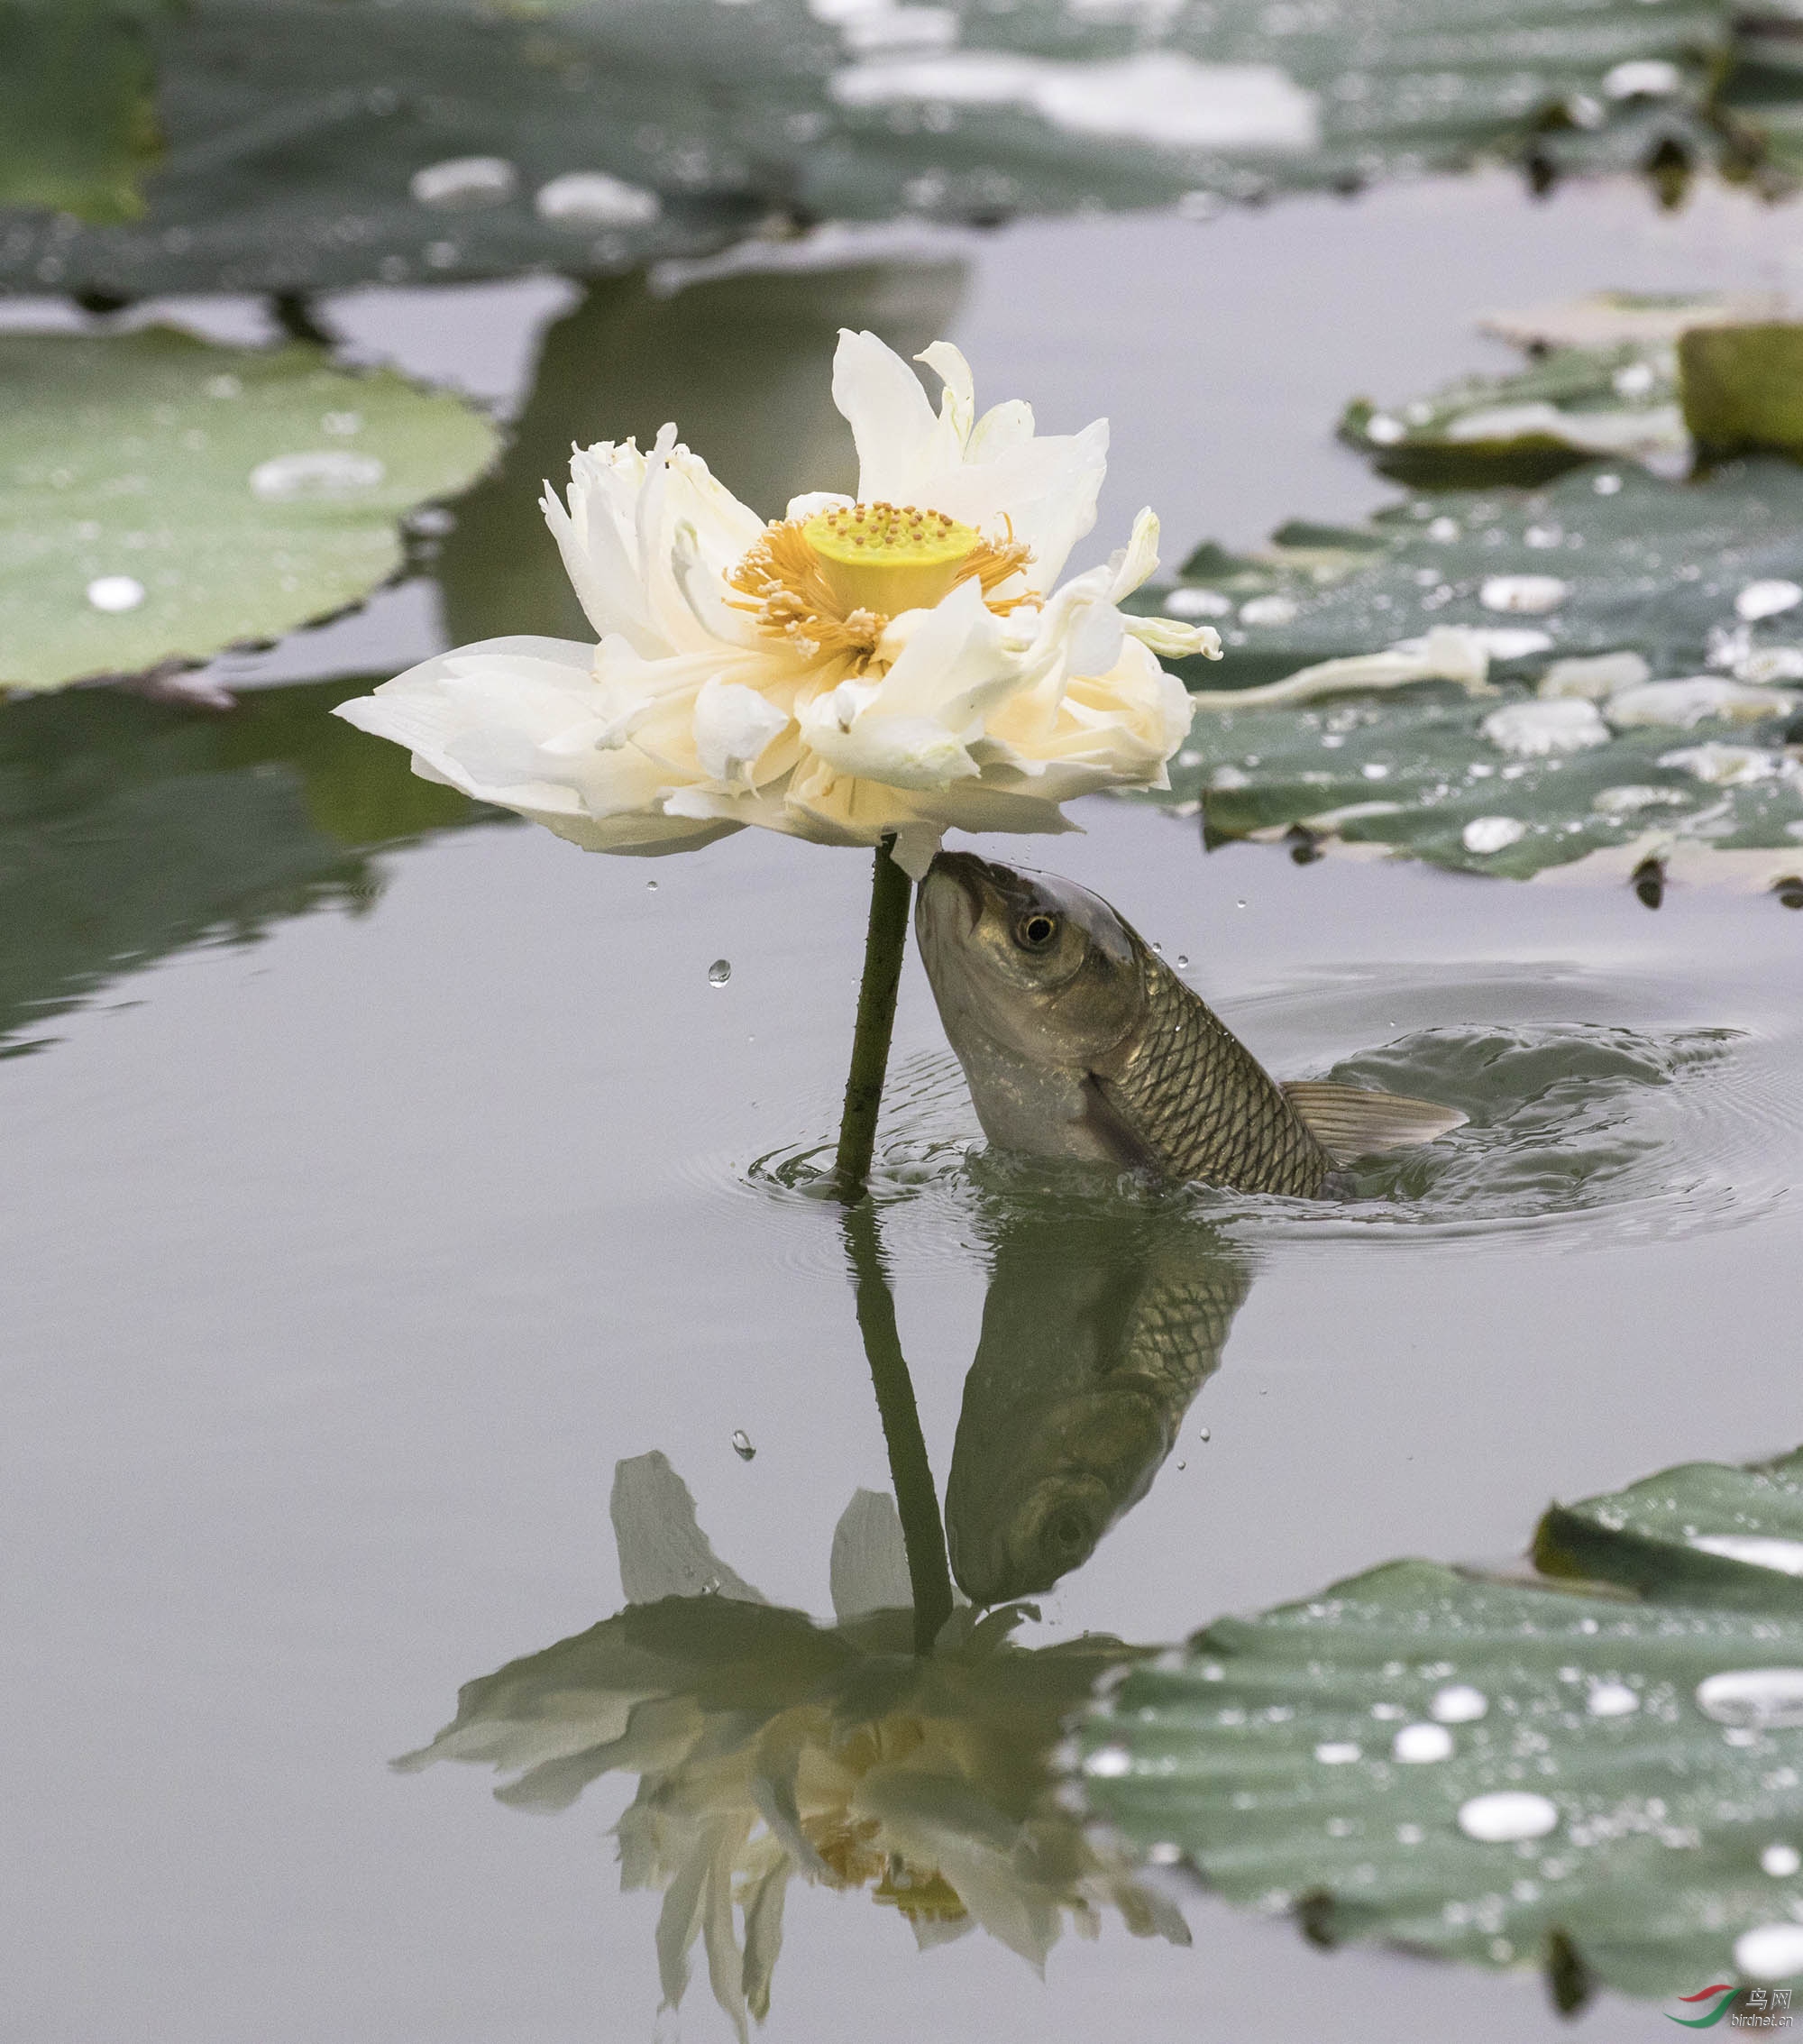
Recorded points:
(161,497)
(1697,579)
(1498,1770)
(313,144)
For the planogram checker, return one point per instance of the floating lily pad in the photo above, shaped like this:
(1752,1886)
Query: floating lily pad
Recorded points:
(1555,414)
(1604,1784)
(313,144)
(161,497)
(1700,580)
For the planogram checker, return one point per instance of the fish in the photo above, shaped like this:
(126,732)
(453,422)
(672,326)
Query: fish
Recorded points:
(1101,1324)
(1078,1041)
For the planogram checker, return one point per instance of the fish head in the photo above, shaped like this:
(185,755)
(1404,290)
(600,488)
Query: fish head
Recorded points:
(1026,964)
(1022,1544)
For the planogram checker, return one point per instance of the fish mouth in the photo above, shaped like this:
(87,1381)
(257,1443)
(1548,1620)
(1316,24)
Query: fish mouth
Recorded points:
(977,880)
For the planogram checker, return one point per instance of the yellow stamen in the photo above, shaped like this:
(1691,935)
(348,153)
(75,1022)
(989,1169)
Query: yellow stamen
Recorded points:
(831,584)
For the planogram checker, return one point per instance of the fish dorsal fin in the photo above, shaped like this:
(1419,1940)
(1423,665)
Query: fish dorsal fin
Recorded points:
(1353,1121)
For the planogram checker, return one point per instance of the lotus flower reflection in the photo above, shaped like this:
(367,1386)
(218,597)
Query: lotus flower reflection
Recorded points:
(894,665)
(769,1748)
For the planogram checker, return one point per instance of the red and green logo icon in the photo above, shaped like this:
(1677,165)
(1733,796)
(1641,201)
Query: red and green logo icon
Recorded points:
(1721,1994)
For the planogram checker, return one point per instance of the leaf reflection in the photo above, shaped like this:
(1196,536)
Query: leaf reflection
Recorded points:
(129,829)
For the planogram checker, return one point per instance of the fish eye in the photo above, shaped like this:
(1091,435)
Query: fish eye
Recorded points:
(1034,932)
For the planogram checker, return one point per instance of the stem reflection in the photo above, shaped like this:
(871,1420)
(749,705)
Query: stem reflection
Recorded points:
(916,1499)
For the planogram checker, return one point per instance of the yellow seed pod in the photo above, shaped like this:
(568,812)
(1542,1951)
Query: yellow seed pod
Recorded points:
(889,558)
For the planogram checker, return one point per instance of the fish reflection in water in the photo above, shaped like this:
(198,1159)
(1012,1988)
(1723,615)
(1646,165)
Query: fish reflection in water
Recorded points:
(1102,1323)
(771,1747)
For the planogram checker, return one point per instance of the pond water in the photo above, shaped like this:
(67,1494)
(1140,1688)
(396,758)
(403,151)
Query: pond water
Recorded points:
(344,1266)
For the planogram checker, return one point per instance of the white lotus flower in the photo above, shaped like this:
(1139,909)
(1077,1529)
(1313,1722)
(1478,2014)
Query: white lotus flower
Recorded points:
(904,663)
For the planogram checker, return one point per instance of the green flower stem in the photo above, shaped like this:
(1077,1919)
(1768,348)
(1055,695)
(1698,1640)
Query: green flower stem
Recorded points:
(923,1533)
(885,940)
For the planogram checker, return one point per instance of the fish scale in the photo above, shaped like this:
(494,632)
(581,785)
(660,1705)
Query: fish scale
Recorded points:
(1202,1103)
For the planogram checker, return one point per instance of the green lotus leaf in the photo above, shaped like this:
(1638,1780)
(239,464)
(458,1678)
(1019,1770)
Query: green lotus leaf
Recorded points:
(1699,580)
(78,127)
(1744,388)
(1556,413)
(317,143)
(1604,1784)
(161,497)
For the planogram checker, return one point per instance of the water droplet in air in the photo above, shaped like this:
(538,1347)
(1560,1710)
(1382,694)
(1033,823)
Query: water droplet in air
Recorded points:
(1420,1743)
(719,972)
(1182,960)
(328,472)
(1239,904)
(1780,1861)
(116,593)
(742,1446)
(651,886)
(1203,1434)
(1507,1816)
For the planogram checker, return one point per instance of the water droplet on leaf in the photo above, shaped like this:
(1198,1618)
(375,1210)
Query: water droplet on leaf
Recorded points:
(1419,1744)
(116,593)
(1459,1704)
(328,472)
(1507,1816)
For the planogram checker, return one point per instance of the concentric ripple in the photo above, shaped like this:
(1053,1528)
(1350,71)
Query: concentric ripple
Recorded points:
(1592,1129)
